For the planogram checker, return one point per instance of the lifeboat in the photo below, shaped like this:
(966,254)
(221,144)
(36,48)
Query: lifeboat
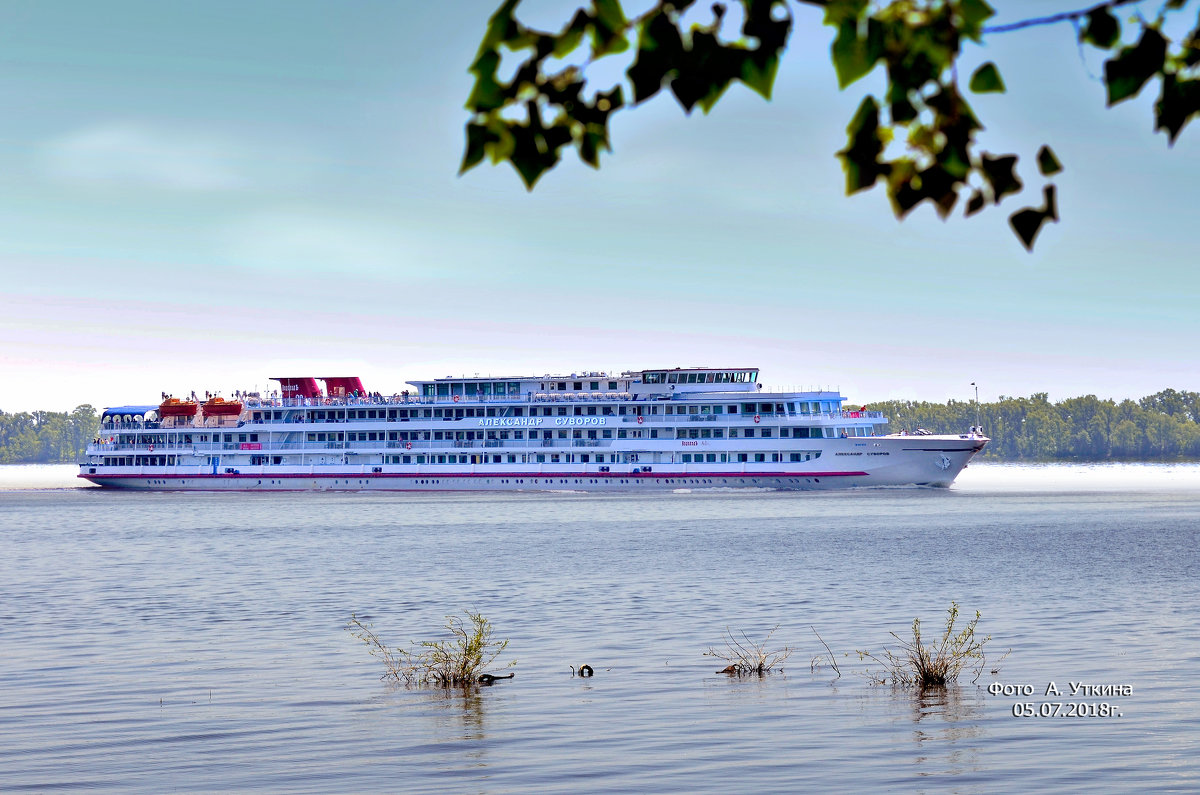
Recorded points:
(220,407)
(174,407)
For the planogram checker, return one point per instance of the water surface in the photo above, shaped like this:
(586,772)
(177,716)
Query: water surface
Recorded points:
(196,641)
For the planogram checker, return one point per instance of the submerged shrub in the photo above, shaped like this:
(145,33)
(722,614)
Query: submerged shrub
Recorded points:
(921,665)
(746,657)
(456,661)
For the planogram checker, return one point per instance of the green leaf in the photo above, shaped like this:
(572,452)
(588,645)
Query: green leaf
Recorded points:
(608,29)
(853,57)
(1101,29)
(1000,173)
(487,94)
(1126,73)
(572,35)
(477,140)
(975,203)
(1048,164)
(660,48)
(973,14)
(759,74)
(501,27)
(986,80)
(861,157)
(1179,102)
(838,12)
(1028,222)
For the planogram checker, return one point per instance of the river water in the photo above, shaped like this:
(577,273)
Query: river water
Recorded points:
(197,642)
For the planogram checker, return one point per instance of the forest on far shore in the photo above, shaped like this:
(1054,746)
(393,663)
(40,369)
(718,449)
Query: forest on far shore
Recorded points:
(1161,427)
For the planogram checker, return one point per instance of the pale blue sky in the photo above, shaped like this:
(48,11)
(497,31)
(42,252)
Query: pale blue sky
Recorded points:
(200,196)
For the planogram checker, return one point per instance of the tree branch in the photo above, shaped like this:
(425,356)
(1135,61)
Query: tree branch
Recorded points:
(1053,19)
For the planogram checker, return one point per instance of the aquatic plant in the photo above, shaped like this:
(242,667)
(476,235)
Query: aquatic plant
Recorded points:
(746,657)
(828,657)
(921,665)
(457,661)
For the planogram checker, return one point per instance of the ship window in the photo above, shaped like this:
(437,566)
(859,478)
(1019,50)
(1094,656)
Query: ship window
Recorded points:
(562,411)
(578,411)
(748,433)
(718,433)
(606,434)
(733,432)
(554,458)
(766,433)
(612,385)
(741,457)
(711,457)
(760,457)
(783,432)
(687,458)
(706,433)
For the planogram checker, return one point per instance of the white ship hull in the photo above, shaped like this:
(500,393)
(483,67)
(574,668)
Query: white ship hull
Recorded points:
(933,461)
(634,432)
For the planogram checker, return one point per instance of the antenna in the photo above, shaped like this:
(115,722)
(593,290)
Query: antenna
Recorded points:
(977,423)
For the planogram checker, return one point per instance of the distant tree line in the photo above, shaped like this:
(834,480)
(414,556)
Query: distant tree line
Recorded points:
(1162,427)
(47,437)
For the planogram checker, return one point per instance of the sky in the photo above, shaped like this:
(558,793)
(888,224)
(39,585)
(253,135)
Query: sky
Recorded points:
(201,196)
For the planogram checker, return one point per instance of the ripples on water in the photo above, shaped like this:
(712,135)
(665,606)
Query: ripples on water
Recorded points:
(196,641)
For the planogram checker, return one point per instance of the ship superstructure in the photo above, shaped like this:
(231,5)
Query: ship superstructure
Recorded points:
(634,431)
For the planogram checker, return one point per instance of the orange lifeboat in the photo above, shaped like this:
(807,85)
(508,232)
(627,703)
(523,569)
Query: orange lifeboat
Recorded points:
(174,407)
(220,407)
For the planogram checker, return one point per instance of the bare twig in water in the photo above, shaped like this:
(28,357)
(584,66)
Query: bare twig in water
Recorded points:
(817,660)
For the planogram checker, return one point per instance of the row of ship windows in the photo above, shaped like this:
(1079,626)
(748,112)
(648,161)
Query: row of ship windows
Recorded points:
(539,458)
(350,415)
(518,435)
(652,433)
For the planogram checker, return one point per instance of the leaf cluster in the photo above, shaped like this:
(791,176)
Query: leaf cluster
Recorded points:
(546,105)
(924,111)
(918,138)
(921,665)
(456,661)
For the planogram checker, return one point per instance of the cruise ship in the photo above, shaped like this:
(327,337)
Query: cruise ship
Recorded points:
(639,431)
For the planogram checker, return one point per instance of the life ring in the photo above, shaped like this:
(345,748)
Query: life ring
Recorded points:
(457,398)
(152,448)
(640,419)
(408,445)
(757,418)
